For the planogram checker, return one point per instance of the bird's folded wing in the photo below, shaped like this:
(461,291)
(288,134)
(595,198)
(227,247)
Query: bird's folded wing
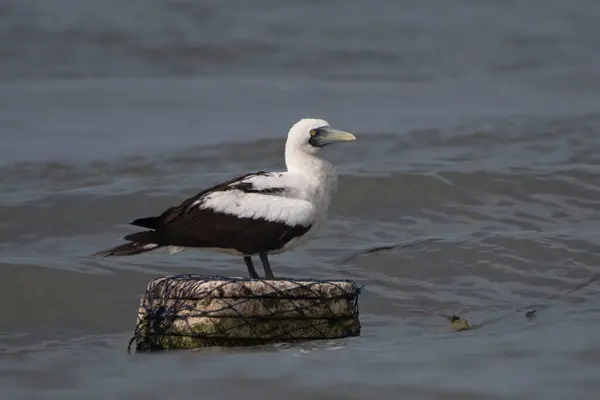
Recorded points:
(250,223)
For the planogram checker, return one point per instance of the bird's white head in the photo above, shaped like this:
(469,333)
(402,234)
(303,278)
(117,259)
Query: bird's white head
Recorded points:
(310,135)
(305,139)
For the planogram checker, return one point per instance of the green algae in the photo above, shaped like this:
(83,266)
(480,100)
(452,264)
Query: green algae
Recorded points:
(238,332)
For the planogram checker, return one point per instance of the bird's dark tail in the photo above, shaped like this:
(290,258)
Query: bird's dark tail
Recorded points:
(140,242)
(148,222)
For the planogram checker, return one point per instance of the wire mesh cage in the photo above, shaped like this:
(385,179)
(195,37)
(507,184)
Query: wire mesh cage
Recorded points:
(191,311)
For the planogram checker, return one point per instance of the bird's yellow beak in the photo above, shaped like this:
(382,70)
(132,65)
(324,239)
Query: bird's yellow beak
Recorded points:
(326,135)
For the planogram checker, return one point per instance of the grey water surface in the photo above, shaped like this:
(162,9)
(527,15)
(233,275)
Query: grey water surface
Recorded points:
(478,128)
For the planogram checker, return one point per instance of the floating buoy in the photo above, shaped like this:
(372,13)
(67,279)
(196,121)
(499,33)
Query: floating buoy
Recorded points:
(192,311)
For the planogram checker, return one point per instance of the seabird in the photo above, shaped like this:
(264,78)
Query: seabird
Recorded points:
(260,213)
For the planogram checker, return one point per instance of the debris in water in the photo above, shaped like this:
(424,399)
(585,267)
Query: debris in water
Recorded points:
(459,324)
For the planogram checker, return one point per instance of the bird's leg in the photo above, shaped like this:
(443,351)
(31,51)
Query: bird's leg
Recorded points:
(251,270)
(267,267)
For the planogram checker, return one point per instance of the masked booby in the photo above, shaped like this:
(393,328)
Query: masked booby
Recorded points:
(260,213)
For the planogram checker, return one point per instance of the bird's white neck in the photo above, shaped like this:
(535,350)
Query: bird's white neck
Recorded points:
(318,172)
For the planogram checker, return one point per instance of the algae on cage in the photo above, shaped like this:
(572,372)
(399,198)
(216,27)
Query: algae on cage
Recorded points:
(240,334)
(261,328)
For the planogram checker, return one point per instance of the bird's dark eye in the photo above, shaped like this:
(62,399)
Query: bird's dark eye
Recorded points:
(313,132)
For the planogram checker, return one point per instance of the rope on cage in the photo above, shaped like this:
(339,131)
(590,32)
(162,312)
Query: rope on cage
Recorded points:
(188,311)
